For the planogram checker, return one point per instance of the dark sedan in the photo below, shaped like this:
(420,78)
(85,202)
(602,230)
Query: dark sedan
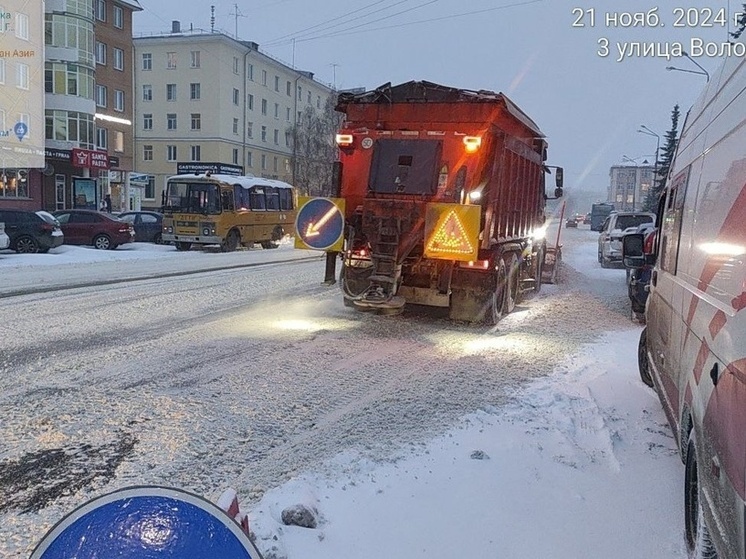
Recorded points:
(89,227)
(31,232)
(148,225)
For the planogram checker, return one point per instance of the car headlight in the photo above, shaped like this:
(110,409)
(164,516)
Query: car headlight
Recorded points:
(206,231)
(170,229)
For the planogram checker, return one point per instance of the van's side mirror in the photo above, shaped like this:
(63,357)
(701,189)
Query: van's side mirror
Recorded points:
(633,254)
(558,192)
(559,178)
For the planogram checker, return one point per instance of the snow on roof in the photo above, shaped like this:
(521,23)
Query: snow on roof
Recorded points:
(243,181)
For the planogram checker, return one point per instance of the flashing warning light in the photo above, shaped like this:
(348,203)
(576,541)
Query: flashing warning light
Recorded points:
(475,195)
(344,140)
(452,232)
(472,143)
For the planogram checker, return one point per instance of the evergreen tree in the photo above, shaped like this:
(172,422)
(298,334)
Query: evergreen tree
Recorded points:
(741,22)
(663,164)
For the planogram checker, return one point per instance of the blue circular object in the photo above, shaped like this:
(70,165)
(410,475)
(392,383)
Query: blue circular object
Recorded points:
(320,223)
(147,523)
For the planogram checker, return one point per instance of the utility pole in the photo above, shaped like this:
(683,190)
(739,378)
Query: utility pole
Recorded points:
(334,73)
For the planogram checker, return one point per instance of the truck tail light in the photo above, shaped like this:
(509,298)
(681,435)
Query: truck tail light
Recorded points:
(344,140)
(472,143)
(478,264)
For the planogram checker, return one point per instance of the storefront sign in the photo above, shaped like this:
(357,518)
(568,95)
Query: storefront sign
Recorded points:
(89,159)
(208,167)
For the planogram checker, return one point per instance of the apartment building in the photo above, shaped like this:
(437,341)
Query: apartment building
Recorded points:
(88,104)
(21,103)
(208,102)
(629,185)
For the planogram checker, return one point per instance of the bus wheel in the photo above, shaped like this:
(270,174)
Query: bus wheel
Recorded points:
(181,245)
(231,241)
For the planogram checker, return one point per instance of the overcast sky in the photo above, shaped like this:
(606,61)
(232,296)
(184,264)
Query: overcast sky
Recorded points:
(588,106)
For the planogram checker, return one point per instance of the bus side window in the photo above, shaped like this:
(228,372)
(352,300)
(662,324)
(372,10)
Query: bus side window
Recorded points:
(273,198)
(241,197)
(227,196)
(257,198)
(286,199)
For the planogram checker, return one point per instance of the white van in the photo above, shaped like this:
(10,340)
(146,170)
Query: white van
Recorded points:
(693,349)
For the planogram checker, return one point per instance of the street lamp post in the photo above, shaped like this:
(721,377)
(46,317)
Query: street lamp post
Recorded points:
(645,130)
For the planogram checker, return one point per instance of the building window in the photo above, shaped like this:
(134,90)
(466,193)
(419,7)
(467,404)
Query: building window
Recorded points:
(235,156)
(170,153)
(171,61)
(300,93)
(250,72)
(147,121)
(170,92)
(194,59)
(288,136)
(194,91)
(102,138)
(100,53)
(251,102)
(196,153)
(264,106)
(275,164)
(287,114)
(101,95)
(309,98)
(22,76)
(264,133)
(119,141)
(277,83)
(235,126)
(264,77)
(22,26)
(171,121)
(276,137)
(236,96)
(196,121)
(249,159)
(235,65)
(250,130)
(119,100)
(147,61)
(147,92)
(118,59)
(264,162)
(118,17)
(318,101)
(147,153)
(277,110)
(289,88)
(101,10)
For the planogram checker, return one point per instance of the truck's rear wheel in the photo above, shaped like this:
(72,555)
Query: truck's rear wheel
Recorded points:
(512,283)
(477,305)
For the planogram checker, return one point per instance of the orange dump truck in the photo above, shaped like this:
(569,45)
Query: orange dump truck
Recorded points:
(444,195)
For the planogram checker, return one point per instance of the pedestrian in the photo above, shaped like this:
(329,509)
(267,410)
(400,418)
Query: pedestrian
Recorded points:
(107,201)
(102,206)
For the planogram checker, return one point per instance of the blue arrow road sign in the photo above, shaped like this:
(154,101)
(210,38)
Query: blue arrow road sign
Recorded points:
(320,223)
(147,523)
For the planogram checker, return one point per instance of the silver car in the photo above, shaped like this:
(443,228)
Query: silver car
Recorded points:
(4,239)
(610,238)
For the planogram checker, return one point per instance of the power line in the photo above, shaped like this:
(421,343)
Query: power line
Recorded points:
(323,23)
(452,16)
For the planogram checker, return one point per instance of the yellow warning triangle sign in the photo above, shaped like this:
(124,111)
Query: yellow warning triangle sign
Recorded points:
(450,237)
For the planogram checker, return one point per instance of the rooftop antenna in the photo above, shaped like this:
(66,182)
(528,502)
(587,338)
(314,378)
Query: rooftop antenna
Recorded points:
(237,14)
(212,18)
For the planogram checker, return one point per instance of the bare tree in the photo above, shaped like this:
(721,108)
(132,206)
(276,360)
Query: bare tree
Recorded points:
(314,149)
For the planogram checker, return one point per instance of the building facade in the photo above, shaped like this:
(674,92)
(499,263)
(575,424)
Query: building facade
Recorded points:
(88,104)
(206,101)
(629,186)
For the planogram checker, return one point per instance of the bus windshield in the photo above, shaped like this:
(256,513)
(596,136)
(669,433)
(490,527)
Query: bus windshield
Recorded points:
(192,197)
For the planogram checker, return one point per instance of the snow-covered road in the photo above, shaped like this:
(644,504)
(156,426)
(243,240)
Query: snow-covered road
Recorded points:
(247,377)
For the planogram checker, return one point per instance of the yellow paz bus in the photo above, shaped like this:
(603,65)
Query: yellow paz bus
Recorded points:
(227,210)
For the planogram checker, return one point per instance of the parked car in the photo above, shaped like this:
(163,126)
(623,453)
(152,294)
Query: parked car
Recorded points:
(89,227)
(612,231)
(4,239)
(148,225)
(587,219)
(693,348)
(31,232)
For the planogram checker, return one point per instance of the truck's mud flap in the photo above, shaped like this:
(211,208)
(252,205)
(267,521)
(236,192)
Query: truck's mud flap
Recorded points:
(395,305)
